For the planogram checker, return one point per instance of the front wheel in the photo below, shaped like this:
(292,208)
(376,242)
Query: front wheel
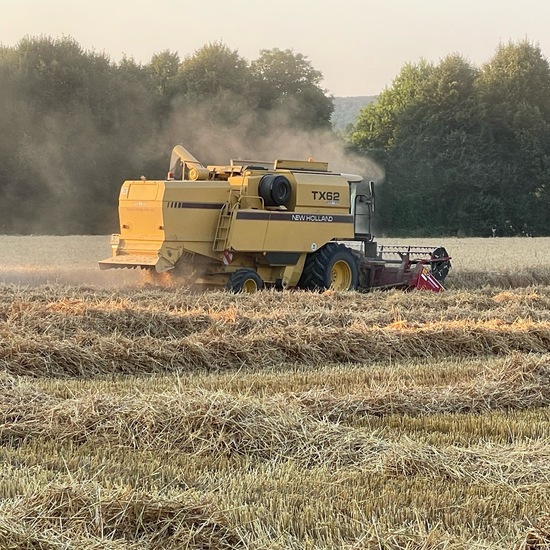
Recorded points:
(440,269)
(333,266)
(245,280)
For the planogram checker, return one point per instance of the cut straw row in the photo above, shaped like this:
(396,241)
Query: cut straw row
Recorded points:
(90,517)
(305,427)
(88,354)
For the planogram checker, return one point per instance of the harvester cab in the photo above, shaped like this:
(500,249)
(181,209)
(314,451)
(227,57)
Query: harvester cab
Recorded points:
(250,224)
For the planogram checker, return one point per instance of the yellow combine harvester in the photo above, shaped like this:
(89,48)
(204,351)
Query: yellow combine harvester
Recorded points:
(252,224)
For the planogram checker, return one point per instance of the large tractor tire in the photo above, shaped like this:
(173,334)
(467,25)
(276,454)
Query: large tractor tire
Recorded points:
(333,266)
(246,281)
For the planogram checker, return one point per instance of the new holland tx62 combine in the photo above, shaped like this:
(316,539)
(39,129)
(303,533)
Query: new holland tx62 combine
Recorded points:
(251,224)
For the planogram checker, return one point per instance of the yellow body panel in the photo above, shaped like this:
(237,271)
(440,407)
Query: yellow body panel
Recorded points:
(164,219)
(326,194)
(265,231)
(191,209)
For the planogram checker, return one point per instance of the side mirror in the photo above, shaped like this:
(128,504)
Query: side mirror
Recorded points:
(371,192)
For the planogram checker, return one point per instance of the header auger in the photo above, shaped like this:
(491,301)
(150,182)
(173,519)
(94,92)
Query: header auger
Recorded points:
(254,224)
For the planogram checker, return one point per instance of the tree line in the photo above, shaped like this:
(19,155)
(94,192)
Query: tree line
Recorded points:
(465,150)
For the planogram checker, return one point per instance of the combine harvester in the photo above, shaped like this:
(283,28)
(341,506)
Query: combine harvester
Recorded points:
(252,224)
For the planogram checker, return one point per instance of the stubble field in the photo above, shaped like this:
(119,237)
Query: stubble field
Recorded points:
(135,417)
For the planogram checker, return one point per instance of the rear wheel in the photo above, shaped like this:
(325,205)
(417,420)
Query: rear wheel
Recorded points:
(245,280)
(334,266)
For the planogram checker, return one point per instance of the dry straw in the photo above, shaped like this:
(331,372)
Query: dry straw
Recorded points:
(47,333)
(288,411)
(538,537)
(309,428)
(85,516)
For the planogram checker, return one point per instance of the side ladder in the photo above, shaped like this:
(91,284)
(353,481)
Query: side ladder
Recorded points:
(222,231)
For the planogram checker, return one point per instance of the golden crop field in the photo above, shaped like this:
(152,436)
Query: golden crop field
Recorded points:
(137,417)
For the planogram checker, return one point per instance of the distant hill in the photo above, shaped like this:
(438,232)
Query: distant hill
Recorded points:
(346,110)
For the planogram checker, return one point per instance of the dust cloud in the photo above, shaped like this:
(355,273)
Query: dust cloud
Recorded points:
(267,138)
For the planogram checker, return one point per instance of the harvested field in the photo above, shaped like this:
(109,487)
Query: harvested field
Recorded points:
(477,262)
(134,417)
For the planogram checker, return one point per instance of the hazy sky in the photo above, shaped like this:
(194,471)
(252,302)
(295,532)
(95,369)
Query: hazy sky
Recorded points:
(358,45)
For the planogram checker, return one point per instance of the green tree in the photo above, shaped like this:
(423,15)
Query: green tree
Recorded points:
(379,132)
(437,148)
(214,83)
(464,149)
(214,69)
(286,79)
(514,87)
(165,82)
(375,128)
(164,68)
(52,74)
